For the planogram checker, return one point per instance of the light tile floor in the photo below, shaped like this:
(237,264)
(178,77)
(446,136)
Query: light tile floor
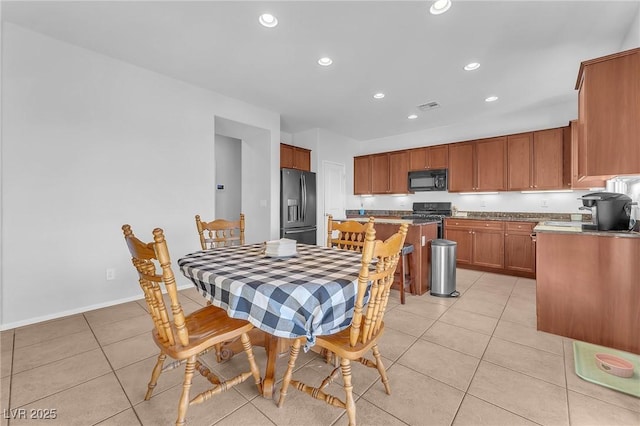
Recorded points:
(474,360)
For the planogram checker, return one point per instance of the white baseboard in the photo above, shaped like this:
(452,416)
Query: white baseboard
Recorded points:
(81,310)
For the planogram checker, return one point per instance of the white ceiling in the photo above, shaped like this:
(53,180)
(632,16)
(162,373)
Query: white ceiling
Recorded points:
(530,53)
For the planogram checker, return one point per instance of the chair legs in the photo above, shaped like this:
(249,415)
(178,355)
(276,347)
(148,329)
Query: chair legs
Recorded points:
(192,364)
(350,403)
(157,370)
(381,370)
(293,356)
(186,386)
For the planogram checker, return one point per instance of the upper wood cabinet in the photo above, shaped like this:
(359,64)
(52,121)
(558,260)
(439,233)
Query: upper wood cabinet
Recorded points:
(608,111)
(362,175)
(491,164)
(384,173)
(571,177)
(535,160)
(432,157)
(461,175)
(399,172)
(547,159)
(519,159)
(380,173)
(294,157)
(478,165)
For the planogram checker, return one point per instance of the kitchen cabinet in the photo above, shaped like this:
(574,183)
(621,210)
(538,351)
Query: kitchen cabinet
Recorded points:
(398,172)
(547,159)
(293,157)
(380,173)
(587,288)
(485,238)
(519,159)
(493,245)
(463,237)
(362,175)
(461,176)
(608,111)
(432,157)
(520,247)
(384,173)
(478,165)
(571,177)
(535,160)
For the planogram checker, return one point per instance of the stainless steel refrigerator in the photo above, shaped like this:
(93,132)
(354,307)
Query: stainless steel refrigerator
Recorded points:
(298,205)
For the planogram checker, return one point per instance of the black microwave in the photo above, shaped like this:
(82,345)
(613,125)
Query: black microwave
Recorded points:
(428,180)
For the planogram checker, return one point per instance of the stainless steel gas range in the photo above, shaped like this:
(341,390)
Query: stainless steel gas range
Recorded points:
(431,212)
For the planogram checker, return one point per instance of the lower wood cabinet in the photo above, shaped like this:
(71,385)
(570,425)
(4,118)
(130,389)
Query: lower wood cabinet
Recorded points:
(464,238)
(520,247)
(488,247)
(493,245)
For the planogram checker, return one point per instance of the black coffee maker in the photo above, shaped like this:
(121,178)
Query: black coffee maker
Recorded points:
(612,210)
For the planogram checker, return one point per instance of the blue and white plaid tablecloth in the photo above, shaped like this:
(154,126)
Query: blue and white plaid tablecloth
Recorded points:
(310,294)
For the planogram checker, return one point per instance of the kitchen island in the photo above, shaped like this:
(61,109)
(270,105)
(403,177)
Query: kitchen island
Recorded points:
(588,285)
(420,234)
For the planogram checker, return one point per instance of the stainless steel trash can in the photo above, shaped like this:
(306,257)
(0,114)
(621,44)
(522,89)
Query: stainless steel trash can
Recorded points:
(443,268)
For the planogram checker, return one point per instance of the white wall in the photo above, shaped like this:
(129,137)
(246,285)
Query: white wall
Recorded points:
(327,146)
(632,40)
(228,162)
(82,137)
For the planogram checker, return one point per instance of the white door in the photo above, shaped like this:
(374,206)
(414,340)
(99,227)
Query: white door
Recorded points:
(334,186)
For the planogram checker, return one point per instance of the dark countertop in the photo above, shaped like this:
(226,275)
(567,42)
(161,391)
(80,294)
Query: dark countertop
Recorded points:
(543,227)
(503,216)
(391,220)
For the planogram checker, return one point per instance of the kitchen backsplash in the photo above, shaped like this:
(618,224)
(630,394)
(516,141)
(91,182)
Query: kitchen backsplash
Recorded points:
(479,215)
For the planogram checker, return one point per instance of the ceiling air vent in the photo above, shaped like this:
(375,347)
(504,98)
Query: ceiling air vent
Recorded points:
(428,106)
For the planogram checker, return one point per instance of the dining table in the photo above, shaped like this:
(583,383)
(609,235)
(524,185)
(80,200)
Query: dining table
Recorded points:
(308,294)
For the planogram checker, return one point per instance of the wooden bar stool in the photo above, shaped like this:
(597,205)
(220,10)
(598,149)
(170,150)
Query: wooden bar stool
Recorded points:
(404,268)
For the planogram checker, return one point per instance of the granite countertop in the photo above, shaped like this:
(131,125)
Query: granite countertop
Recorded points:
(502,216)
(521,217)
(391,220)
(576,228)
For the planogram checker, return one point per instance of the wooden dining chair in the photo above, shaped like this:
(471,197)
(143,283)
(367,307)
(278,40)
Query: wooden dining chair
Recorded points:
(220,232)
(362,336)
(350,234)
(184,337)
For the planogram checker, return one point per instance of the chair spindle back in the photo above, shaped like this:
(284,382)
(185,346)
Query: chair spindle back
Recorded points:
(378,277)
(220,232)
(351,234)
(144,257)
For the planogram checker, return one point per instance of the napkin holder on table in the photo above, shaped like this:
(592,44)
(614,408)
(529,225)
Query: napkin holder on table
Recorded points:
(280,248)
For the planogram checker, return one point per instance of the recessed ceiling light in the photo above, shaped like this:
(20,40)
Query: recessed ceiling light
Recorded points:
(412,117)
(440,6)
(491,99)
(379,95)
(472,66)
(268,20)
(325,62)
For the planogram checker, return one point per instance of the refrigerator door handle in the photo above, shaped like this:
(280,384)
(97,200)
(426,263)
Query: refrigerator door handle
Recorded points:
(296,232)
(304,198)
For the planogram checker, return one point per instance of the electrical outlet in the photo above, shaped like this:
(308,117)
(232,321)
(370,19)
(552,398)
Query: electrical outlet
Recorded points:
(544,203)
(110,274)
(483,203)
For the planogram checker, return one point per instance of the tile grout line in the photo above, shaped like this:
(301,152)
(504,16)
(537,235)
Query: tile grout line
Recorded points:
(466,392)
(13,348)
(112,371)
